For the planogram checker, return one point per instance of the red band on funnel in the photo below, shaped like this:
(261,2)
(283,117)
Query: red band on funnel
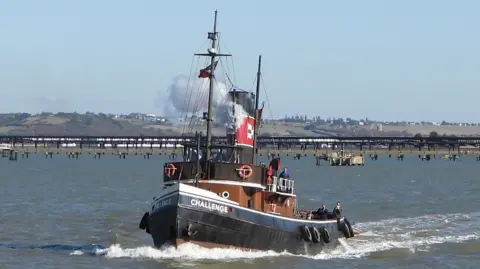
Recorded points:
(244,134)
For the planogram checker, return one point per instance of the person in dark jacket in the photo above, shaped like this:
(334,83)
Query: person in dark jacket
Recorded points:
(322,212)
(284,173)
(337,212)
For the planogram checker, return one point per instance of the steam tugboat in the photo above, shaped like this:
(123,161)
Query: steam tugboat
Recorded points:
(219,197)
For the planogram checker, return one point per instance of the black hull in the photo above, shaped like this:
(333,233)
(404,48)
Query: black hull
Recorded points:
(176,224)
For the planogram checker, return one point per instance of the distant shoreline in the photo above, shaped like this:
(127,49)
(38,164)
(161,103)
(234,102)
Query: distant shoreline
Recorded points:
(89,124)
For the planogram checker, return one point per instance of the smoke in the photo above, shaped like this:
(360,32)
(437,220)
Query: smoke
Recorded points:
(239,115)
(191,97)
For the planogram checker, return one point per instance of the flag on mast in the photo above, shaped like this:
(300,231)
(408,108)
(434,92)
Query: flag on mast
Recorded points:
(205,72)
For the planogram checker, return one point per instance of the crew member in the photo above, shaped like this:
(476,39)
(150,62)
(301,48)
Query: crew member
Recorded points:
(322,212)
(269,175)
(284,173)
(337,212)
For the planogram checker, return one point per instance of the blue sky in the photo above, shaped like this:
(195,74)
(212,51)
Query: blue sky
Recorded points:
(388,60)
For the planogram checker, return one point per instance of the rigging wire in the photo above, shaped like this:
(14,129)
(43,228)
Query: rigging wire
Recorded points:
(269,109)
(226,66)
(190,96)
(199,100)
(196,101)
(233,63)
(185,114)
(253,83)
(188,85)
(189,99)
(232,156)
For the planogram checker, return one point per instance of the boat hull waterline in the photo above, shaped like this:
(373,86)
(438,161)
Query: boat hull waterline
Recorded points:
(184,213)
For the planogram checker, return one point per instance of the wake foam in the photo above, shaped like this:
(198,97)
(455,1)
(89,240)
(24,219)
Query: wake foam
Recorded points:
(185,251)
(413,234)
(390,237)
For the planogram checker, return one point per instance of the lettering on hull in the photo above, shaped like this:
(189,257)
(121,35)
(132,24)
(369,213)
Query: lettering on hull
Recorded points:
(162,203)
(209,206)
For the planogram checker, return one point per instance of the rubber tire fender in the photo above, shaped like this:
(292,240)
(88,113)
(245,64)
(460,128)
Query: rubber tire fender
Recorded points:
(316,237)
(306,234)
(144,221)
(349,226)
(345,230)
(325,235)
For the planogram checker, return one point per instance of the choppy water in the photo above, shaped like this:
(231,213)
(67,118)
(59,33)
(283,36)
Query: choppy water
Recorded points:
(63,213)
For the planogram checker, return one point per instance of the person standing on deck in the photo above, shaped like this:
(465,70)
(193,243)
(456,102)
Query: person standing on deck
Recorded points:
(337,212)
(283,175)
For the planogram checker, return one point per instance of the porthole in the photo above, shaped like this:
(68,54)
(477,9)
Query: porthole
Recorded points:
(225,194)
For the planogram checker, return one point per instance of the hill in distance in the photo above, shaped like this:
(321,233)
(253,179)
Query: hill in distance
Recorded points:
(137,124)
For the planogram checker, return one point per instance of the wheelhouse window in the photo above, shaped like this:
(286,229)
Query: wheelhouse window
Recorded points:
(220,154)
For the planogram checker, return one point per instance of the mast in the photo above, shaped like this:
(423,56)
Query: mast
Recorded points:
(212,53)
(233,113)
(198,137)
(213,37)
(257,99)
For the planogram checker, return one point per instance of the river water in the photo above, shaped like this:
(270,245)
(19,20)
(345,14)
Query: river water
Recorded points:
(69,213)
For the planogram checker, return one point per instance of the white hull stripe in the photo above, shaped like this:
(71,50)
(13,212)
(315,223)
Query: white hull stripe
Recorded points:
(226,182)
(235,205)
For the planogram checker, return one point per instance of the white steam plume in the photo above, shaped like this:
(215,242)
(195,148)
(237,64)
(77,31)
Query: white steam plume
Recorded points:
(192,96)
(186,97)
(240,114)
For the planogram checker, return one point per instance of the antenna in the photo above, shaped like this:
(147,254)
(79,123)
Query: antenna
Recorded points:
(212,53)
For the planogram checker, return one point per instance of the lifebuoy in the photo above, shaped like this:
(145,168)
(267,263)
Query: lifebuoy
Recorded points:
(316,237)
(169,170)
(325,235)
(245,171)
(306,234)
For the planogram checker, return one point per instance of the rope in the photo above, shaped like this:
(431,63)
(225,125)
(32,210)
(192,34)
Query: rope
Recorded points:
(190,96)
(188,85)
(189,99)
(253,84)
(269,109)
(201,99)
(194,99)
(233,63)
